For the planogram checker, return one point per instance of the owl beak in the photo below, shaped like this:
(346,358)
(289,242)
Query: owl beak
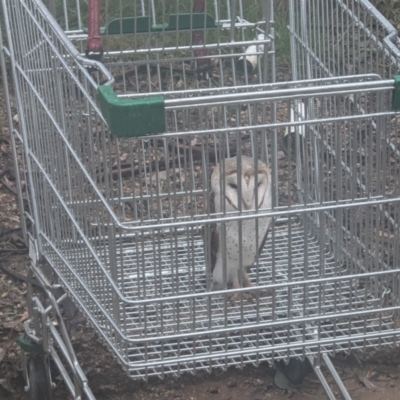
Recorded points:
(247,206)
(248,201)
(247,195)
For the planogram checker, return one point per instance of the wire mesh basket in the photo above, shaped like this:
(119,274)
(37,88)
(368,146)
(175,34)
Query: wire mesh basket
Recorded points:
(121,216)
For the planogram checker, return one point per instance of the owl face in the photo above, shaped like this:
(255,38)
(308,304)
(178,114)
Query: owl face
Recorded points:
(246,190)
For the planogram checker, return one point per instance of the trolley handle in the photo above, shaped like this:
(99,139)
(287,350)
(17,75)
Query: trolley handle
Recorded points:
(132,117)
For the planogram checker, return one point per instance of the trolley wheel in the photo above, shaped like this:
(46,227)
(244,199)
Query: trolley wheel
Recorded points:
(40,387)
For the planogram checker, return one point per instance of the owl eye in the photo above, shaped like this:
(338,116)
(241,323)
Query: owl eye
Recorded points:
(233,186)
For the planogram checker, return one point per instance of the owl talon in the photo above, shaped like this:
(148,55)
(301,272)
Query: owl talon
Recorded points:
(262,294)
(251,297)
(237,296)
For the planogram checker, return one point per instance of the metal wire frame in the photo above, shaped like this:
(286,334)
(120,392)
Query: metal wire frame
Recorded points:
(53,338)
(227,14)
(341,37)
(240,31)
(124,237)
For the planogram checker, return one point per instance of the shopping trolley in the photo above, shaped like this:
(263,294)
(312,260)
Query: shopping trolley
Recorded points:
(121,121)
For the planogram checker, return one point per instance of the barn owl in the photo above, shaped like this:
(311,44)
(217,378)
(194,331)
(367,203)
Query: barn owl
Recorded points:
(254,186)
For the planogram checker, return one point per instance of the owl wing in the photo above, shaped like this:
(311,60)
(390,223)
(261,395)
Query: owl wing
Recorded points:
(214,246)
(261,248)
(210,236)
(267,202)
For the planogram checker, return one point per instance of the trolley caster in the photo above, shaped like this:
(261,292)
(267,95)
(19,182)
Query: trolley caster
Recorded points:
(40,386)
(36,370)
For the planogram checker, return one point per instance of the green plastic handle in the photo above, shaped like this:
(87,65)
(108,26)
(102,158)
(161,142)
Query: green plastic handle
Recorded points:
(132,117)
(396,94)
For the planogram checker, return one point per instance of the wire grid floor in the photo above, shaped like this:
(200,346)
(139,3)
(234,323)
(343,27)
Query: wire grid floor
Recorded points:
(255,341)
